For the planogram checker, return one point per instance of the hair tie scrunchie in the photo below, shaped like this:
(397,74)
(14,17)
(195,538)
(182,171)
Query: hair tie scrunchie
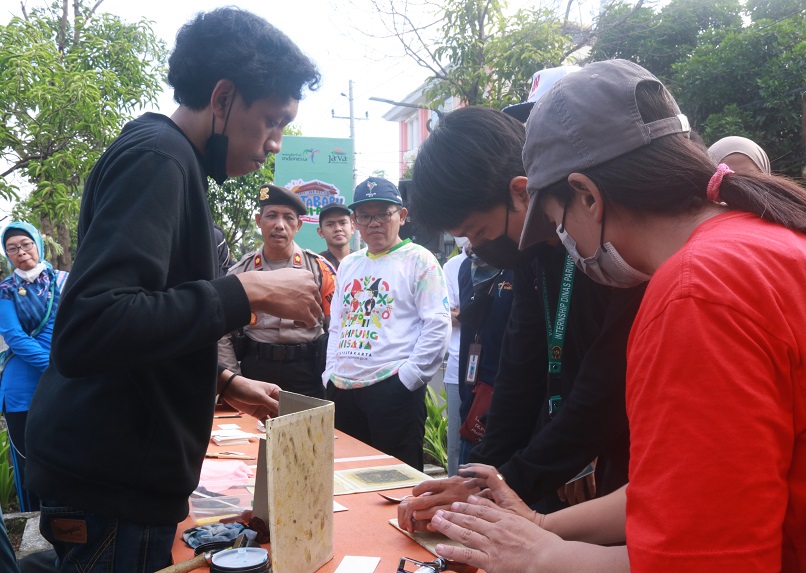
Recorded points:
(716,182)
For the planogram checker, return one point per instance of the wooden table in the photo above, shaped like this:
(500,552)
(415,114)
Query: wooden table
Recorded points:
(363,530)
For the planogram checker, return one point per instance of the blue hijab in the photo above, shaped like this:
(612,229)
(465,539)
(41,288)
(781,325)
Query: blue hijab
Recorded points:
(31,230)
(30,299)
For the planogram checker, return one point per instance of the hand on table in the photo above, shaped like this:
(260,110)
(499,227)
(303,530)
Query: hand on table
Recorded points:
(494,487)
(287,293)
(494,539)
(253,397)
(415,513)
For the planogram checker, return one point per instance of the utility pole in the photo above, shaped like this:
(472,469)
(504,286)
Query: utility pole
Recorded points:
(356,240)
(352,119)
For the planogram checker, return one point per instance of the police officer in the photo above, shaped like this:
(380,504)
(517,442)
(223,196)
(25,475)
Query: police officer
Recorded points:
(270,348)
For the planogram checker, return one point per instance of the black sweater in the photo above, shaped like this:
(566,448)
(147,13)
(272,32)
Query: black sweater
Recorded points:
(121,419)
(537,456)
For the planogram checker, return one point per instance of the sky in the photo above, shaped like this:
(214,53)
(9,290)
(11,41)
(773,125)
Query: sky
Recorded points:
(343,37)
(336,34)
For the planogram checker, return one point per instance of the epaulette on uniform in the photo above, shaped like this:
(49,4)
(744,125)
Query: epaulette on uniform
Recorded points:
(242,263)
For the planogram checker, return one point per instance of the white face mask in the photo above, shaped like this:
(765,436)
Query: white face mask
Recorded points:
(30,275)
(605,266)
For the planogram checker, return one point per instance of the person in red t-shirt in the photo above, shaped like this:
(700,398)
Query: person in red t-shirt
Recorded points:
(716,373)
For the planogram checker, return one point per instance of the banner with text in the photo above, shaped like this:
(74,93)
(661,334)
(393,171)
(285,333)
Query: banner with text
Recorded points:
(320,171)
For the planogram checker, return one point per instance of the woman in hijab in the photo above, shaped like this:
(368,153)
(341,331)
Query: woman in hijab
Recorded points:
(716,372)
(29,297)
(740,154)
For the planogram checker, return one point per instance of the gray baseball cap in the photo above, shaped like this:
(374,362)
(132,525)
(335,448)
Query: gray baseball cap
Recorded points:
(586,119)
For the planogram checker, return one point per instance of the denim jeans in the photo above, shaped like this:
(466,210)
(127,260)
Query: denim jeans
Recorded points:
(88,543)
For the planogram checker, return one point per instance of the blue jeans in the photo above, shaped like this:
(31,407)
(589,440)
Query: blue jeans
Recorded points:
(88,543)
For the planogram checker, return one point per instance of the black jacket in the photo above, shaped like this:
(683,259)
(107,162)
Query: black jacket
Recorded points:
(536,455)
(121,419)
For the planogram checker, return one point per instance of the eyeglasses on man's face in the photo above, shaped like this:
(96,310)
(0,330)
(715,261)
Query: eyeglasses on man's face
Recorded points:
(26,246)
(365,219)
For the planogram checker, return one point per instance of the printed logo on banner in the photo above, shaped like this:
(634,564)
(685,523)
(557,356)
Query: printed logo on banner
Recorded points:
(311,153)
(338,156)
(306,155)
(315,194)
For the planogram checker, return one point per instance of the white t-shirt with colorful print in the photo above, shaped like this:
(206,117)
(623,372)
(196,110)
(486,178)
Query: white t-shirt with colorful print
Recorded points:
(389,315)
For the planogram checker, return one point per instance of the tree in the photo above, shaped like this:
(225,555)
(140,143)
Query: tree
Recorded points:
(478,52)
(233,205)
(730,76)
(774,9)
(491,58)
(749,82)
(658,39)
(474,51)
(68,82)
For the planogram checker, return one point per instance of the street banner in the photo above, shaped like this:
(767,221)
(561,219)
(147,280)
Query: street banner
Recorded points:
(320,171)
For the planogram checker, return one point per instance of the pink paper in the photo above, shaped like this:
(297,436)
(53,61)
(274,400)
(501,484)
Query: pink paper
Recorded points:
(220,475)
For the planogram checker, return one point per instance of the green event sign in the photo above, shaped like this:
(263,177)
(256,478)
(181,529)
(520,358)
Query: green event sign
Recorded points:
(320,171)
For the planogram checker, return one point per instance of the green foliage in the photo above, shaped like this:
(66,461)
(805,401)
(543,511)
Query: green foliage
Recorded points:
(66,88)
(659,39)
(730,77)
(485,58)
(749,81)
(408,173)
(436,426)
(7,488)
(234,203)
(774,9)
(532,40)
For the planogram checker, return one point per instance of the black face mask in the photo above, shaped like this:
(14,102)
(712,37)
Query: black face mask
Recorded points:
(502,252)
(215,151)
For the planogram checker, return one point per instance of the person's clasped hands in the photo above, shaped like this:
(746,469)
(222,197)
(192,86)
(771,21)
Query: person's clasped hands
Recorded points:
(415,513)
(499,532)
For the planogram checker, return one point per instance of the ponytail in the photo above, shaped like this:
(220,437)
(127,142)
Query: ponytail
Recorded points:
(773,198)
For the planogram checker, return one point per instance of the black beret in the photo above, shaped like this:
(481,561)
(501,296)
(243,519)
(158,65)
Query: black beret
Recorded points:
(276,195)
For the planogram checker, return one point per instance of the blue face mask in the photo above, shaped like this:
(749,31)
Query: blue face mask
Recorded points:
(605,266)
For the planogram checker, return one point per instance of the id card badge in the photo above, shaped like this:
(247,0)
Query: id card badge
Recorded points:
(473,356)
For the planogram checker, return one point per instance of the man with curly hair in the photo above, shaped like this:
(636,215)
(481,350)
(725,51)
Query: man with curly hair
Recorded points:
(120,425)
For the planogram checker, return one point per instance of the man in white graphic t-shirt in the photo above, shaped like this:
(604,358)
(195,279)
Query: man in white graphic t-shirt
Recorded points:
(389,328)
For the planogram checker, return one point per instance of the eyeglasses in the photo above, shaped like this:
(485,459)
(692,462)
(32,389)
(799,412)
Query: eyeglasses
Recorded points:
(363,219)
(26,246)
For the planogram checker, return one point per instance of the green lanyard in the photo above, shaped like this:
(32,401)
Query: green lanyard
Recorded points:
(556,335)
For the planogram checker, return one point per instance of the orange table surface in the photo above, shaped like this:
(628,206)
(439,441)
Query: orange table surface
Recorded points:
(363,529)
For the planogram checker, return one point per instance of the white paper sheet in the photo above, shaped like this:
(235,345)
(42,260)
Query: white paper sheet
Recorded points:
(355,564)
